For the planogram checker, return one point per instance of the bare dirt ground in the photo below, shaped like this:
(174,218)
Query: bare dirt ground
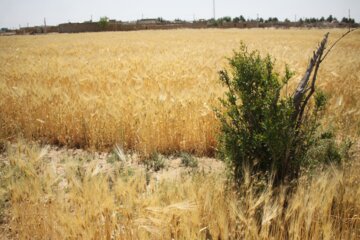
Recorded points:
(173,166)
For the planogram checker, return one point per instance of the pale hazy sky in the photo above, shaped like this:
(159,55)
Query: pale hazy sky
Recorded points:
(22,12)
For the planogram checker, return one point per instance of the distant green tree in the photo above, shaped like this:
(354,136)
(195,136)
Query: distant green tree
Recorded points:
(103,22)
(272,20)
(347,20)
(226,19)
(161,20)
(330,18)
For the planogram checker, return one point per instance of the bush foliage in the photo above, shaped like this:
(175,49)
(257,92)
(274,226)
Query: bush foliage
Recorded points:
(258,127)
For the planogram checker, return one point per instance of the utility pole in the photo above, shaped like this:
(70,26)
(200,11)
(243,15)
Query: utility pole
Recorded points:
(214,10)
(295,18)
(44,25)
(349,20)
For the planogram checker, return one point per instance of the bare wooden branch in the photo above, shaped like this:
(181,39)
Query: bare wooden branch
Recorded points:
(331,47)
(301,88)
(312,90)
(303,91)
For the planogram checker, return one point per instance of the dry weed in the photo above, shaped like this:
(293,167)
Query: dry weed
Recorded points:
(73,199)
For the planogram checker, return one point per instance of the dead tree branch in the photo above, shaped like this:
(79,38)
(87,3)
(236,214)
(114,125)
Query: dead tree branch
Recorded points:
(306,87)
(331,47)
(301,90)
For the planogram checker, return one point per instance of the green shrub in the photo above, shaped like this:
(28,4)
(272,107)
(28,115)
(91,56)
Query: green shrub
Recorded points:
(112,158)
(188,160)
(258,130)
(156,162)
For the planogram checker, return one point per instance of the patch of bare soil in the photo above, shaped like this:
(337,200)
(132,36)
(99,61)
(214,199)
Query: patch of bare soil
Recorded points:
(172,169)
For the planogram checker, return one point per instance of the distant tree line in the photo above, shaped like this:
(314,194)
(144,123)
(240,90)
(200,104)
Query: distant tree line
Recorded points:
(241,19)
(226,21)
(328,19)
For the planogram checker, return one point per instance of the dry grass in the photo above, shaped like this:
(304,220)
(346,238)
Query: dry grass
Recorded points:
(150,90)
(153,91)
(87,198)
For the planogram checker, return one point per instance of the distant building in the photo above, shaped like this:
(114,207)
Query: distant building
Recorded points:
(179,21)
(148,21)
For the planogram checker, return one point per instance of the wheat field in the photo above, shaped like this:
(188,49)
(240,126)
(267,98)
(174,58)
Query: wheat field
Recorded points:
(152,91)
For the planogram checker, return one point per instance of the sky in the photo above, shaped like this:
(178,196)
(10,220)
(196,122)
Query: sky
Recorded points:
(15,13)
